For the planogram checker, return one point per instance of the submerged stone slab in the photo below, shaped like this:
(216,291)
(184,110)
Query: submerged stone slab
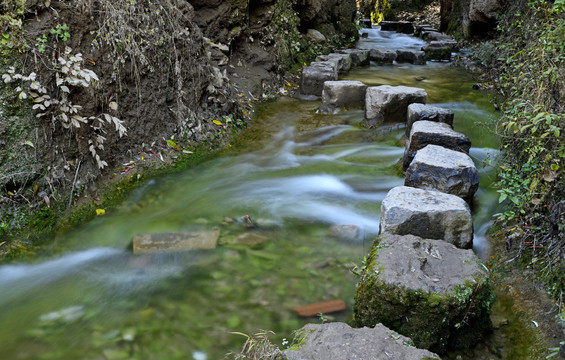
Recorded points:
(428,214)
(315,75)
(449,171)
(405,27)
(426,132)
(343,61)
(390,103)
(161,242)
(382,55)
(429,290)
(339,341)
(348,233)
(342,94)
(416,57)
(417,112)
(359,57)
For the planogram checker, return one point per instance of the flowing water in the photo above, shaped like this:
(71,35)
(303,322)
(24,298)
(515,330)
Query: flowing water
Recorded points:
(96,300)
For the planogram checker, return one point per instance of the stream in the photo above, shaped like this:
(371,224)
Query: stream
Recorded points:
(302,174)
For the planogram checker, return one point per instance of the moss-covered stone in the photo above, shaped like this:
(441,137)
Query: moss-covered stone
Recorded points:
(428,290)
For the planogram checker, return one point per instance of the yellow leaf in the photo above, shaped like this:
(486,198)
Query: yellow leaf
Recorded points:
(113,105)
(100,212)
(217,122)
(173,144)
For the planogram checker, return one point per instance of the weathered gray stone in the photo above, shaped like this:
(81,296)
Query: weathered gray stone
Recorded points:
(390,103)
(250,239)
(343,61)
(314,76)
(342,94)
(418,29)
(417,112)
(359,57)
(426,132)
(339,341)
(416,57)
(315,35)
(485,10)
(449,43)
(428,214)
(429,290)
(161,242)
(404,27)
(382,55)
(449,171)
(435,36)
(437,53)
(349,233)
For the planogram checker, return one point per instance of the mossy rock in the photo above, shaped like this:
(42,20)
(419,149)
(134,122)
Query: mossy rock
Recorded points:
(428,290)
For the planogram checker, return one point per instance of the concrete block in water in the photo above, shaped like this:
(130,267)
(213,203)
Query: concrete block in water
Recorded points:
(390,103)
(342,94)
(417,112)
(162,242)
(343,62)
(359,57)
(449,171)
(416,57)
(315,75)
(428,214)
(382,55)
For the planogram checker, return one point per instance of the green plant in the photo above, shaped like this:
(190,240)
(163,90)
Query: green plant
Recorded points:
(257,347)
(555,350)
(62,32)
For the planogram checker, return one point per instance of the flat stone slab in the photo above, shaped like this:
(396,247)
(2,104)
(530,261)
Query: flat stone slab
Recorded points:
(359,57)
(339,341)
(416,57)
(344,62)
(437,53)
(426,132)
(428,214)
(405,27)
(348,233)
(429,290)
(449,171)
(322,307)
(342,94)
(390,103)
(435,36)
(162,242)
(417,112)
(382,55)
(315,75)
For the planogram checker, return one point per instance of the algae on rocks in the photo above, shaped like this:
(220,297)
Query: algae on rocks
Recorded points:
(428,290)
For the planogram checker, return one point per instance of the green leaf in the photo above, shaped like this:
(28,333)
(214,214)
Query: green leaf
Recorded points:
(502,197)
(554,167)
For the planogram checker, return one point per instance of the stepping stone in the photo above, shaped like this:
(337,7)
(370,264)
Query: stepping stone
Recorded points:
(339,341)
(435,36)
(421,28)
(426,132)
(390,103)
(366,23)
(359,57)
(161,242)
(342,94)
(314,76)
(382,55)
(440,50)
(449,171)
(417,112)
(416,57)
(404,27)
(323,307)
(428,214)
(428,290)
(343,61)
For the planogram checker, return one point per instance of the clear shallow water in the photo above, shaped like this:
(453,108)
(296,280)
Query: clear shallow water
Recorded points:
(97,300)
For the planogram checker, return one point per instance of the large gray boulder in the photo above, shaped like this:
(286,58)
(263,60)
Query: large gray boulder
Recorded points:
(390,103)
(382,55)
(342,94)
(404,27)
(315,75)
(339,341)
(359,57)
(343,61)
(426,132)
(429,214)
(429,290)
(417,112)
(449,171)
(416,57)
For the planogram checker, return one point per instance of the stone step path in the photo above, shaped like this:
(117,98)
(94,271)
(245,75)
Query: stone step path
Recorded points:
(421,277)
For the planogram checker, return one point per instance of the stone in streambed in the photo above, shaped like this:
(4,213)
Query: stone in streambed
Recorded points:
(404,27)
(250,239)
(416,57)
(348,233)
(161,242)
(342,61)
(428,214)
(342,94)
(429,290)
(339,341)
(417,112)
(426,132)
(382,55)
(390,103)
(315,75)
(437,168)
(359,57)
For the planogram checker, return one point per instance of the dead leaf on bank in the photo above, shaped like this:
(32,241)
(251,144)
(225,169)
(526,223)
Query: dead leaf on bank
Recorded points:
(549,175)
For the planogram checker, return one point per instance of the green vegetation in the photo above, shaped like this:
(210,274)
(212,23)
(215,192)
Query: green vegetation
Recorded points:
(528,67)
